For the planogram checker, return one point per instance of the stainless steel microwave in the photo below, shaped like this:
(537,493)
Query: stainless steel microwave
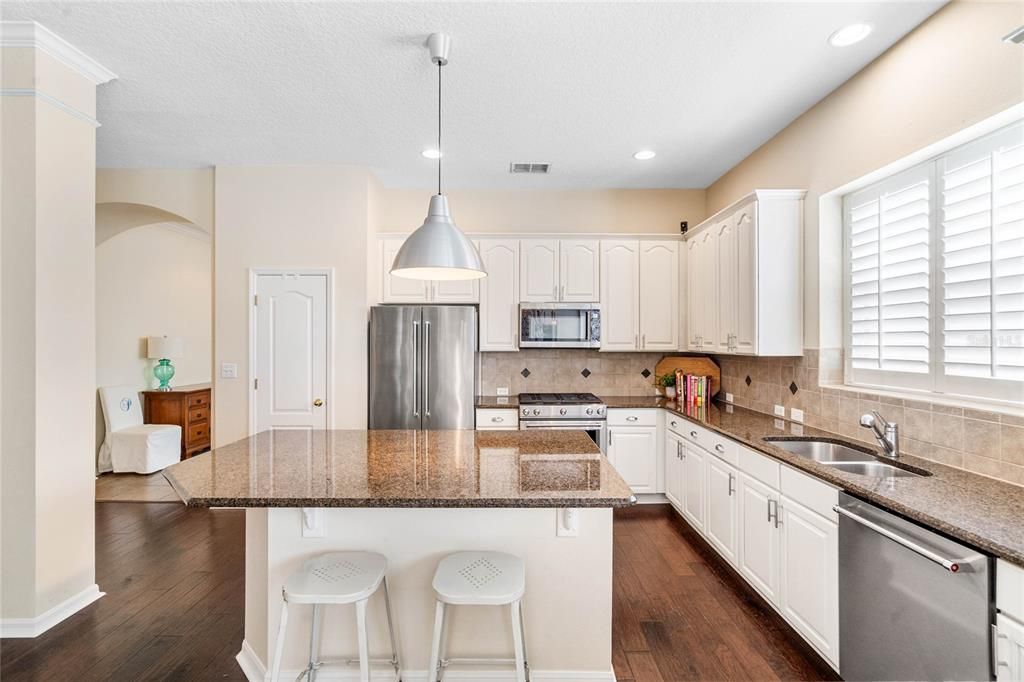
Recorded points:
(559,325)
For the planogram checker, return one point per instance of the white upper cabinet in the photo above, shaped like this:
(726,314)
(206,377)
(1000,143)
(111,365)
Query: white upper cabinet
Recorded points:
(538,270)
(659,295)
(620,298)
(745,277)
(499,300)
(580,271)
(401,290)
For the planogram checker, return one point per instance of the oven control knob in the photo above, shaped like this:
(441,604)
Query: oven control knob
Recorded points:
(526,411)
(600,410)
(563,411)
(590,410)
(536,411)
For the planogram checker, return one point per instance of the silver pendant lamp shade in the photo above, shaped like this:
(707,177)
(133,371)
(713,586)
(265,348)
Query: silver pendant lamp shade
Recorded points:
(438,249)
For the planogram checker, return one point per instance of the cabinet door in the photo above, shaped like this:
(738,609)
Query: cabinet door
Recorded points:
(620,282)
(456,290)
(694,461)
(633,452)
(709,281)
(538,270)
(745,327)
(694,291)
(398,289)
(722,506)
(580,270)
(758,550)
(725,277)
(659,295)
(810,576)
(1009,650)
(674,469)
(499,300)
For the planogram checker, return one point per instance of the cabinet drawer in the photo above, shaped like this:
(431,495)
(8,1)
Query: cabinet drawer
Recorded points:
(756,465)
(497,420)
(810,492)
(199,400)
(198,414)
(198,433)
(626,417)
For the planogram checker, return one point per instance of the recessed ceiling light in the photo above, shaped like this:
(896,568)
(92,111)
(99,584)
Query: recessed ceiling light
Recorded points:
(431,153)
(848,35)
(644,155)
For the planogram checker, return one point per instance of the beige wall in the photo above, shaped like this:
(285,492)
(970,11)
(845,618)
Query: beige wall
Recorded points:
(151,281)
(951,72)
(186,192)
(289,217)
(48,334)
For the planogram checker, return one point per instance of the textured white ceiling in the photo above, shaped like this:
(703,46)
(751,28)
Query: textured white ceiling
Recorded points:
(579,85)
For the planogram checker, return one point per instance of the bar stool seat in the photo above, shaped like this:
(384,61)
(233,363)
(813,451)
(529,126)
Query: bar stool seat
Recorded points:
(479,579)
(330,579)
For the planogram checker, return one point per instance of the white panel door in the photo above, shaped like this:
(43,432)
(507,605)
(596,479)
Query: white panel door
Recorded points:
(1009,649)
(399,289)
(290,352)
(725,279)
(499,295)
(674,469)
(758,550)
(620,296)
(722,508)
(580,270)
(810,576)
(659,295)
(745,327)
(633,452)
(538,270)
(694,461)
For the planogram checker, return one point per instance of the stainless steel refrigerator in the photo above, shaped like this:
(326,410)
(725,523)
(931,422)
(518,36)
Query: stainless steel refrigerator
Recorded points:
(422,367)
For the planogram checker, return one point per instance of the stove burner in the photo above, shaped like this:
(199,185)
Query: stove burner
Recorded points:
(558,399)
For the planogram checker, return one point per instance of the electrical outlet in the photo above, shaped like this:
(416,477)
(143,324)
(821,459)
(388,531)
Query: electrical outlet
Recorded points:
(797,430)
(780,424)
(796,415)
(228,370)
(728,397)
(780,411)
(502,390)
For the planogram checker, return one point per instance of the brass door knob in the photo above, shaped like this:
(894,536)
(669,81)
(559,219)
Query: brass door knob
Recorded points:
(317,402)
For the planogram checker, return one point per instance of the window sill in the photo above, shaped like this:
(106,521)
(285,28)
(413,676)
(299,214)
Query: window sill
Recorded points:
(997,406)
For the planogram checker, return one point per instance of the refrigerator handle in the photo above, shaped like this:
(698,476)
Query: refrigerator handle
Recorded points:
(415,368)
(426,369)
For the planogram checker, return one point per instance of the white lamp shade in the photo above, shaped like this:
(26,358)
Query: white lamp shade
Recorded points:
(160,347)
(438,249)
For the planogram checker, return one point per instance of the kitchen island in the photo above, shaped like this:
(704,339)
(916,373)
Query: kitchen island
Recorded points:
(416,496)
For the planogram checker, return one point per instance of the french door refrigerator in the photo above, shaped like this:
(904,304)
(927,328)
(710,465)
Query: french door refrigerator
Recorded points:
(422,367)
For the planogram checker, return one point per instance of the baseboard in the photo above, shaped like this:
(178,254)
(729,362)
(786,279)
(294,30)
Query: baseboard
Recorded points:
(33,627)
(651,498)
(254,670)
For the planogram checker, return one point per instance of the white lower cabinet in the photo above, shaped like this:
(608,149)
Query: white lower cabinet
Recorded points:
(1009,636)
(633,451)
(694,460)
(674,448)
(758,547)
(720,525)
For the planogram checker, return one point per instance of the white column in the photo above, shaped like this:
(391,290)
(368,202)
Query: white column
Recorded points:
(47,335)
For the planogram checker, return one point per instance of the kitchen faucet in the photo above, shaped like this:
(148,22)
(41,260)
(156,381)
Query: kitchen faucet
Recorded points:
(887,433)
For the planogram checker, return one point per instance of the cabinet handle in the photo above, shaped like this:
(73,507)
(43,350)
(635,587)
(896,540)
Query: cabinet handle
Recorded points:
(554,294)
(674,423)
(562,295)
(679,450)
(719,447)
(693,434)
(497,419)
(636,340)
(631,419)
(773,516)
(732,484)
(643,341)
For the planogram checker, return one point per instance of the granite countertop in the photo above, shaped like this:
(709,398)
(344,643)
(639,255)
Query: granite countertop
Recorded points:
(485,402)
(402,469)
(978,510)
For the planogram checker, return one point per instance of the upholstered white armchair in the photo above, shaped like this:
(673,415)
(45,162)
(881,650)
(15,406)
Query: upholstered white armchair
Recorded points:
(131,445)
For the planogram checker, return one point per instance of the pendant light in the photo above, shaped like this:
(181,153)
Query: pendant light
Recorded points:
(438,249)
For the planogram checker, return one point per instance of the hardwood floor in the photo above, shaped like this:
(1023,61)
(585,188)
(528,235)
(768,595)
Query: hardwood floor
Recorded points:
(174,579)
(134,488)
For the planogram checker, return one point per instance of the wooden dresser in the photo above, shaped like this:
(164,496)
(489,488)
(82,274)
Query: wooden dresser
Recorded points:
(187,406)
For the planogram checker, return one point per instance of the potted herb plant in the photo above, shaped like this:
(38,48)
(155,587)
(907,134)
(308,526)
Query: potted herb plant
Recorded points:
(668,384)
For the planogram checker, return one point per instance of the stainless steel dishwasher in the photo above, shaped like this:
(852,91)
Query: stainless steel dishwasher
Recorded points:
(913,605)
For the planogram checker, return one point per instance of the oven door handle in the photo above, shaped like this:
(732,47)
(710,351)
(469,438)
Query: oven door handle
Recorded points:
(559,425)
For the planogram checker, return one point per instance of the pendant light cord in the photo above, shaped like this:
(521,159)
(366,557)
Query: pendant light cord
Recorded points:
(440,154)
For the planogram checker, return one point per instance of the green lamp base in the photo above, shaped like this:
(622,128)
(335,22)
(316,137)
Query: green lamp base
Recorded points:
(164,372)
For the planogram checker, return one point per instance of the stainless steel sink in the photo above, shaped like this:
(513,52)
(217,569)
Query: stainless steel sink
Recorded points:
(874,469)
(822,451)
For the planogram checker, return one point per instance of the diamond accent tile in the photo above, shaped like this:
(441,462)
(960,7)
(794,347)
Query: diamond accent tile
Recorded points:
(525,372)
(646,373)
(586,372)
(748,380)
(793,387)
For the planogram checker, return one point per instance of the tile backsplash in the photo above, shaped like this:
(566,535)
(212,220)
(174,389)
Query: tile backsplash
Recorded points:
(572,370)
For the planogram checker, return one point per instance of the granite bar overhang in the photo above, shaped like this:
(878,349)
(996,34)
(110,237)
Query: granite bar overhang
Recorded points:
(355,468)
(980,511)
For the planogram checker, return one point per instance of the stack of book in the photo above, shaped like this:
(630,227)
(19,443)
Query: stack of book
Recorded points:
(692,389)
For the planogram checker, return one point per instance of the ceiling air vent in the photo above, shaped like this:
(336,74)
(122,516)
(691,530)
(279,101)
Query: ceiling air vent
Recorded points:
(529,168)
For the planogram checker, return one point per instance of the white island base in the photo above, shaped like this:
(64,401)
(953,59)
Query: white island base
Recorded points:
(567,606)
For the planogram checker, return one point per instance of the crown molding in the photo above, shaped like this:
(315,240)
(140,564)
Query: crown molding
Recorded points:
(33,34)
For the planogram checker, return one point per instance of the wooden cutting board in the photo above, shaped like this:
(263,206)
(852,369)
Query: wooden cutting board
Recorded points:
(692,365)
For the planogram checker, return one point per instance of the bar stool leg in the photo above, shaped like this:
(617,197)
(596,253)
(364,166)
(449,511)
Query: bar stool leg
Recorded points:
(391,631)
(522,629)
(435,648)
(364,646)
(517,639)
(314,643)
(275,674)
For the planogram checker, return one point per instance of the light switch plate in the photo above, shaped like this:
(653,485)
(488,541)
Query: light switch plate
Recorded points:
(780,411)
(502,390)
(797,430)
(728,397)
(796,415)
(568,522)
(228,370)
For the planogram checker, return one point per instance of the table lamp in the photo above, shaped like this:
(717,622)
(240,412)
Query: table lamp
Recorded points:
(163,348)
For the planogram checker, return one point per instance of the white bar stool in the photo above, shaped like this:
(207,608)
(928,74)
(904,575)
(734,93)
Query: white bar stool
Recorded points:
(337,578)
(480,579)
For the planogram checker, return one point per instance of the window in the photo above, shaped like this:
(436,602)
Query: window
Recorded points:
(935,274)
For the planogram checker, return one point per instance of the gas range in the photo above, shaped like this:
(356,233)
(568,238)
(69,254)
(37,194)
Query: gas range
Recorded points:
(560,406)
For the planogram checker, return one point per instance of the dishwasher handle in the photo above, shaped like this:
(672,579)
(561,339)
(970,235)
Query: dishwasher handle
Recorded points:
(951,565)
